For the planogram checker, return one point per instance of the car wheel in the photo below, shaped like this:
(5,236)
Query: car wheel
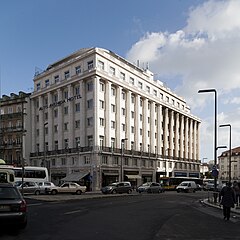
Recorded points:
(23,225)
(37,192)
(114,191)
(129,191)
(78,192)
(54,192)
(178,190)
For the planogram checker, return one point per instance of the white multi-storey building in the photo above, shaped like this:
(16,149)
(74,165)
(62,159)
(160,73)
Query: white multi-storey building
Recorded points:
(224,165)
(106,119)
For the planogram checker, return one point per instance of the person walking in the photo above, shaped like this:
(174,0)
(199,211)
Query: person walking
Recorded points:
(227,199)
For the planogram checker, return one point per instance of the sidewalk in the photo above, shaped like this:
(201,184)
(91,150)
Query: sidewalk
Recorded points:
(210,202)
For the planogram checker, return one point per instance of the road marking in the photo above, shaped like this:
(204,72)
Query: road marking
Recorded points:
(34,204)
(75,211)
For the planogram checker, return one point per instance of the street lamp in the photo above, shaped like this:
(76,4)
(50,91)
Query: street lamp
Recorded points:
(44,144)
(215,129)
(230,148)
(122,149)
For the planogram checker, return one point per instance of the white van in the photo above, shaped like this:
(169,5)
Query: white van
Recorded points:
(187,186)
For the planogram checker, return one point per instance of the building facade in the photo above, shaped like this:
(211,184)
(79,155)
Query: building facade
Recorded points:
(15,128)
(235,165)
(95,114)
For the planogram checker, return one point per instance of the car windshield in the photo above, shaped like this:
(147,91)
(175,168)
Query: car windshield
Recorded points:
(113,184)
(184,184)
(146,184)
(18,183)
(8,193)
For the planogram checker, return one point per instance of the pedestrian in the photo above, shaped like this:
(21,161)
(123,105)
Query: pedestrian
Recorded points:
(227,199)
(236,187)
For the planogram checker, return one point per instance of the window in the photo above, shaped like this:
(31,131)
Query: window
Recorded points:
(161,96)
(134,162)
(65,94)
(77,90)
(167,98)
(140,85)
(132,129)
(66,74)
(38,86)
(90,104)
(173,102)
(101,122)
(66,143)
(90,65)
(102,87)
(66,110)
(89,86)
(90,141)
(155,93)
(123,111)
(55,128)
(55,98)
(141,117)
(126,161)
(123,95)
(131,80)
(133,99)
(132,114)
(115,160)
(101,104)
(87,160)
(141,102)
(113,108)
(123,127)
(101,138)
(55,113)
(148,89)
(66,126)
(122,76)
(77,107)
(63,161)
(113,91)
(104,160)
(56,78)
(77,124)
(78,70)
(47,83)
(90,121)
(140,131)
(77,142)
(113,124)
(101,65)
(112,71)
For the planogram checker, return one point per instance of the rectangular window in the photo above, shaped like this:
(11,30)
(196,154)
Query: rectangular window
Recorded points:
(78,70)
(63,161)
(132,129)
(132,114)
(90,121)
(112,124)
(113,91)
(87,160)
(155,93)
(90,104)
(55,113)
(123,111)
(77,142)
(131,80)
(77,90)
(66,126)
(122,76)
(90,65)
(56,78)
(134,162)
(90,86)
(104,160)
(101,104)
(47,83)
(101,122)
(55,128)
(112,71)
(66,110)
(140,85)
(77,124)
(148,89)
(66,74)
(38,86)
(65,93)
(101,65)
(77,107)
(115,160)
(123,127)
(102,86)
(56,145)
(113,108)
(123,95)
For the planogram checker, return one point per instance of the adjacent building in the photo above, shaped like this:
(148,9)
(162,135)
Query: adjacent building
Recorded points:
(15,128)
(224,165)
(97,117)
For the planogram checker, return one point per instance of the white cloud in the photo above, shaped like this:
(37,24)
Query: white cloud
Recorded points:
(203,54)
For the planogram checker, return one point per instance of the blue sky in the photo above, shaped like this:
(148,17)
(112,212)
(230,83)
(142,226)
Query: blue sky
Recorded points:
(189,44)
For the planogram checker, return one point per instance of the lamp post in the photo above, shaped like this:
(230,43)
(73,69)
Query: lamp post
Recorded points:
(44,144)
(230,149)
(122,149)
(215,129)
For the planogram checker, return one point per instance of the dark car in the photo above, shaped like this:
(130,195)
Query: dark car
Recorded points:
(151,187)
(118,187)
(13,208)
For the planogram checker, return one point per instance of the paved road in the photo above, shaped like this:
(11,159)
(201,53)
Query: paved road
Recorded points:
(136,217)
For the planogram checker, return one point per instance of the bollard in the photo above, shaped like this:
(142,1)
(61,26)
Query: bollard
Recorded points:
(215,196)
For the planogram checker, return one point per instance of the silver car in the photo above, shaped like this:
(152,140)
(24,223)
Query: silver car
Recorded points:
(68,187)
(28,187)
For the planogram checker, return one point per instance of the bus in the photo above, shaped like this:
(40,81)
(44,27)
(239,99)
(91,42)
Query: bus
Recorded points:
(170,183)
(6,174)
(31,173)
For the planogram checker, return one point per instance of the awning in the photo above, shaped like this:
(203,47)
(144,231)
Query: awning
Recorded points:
(133,176)
(75,176)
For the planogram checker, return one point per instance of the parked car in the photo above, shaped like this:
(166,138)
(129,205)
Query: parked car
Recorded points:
(28,187)
(117,187)
(67,187)
(186,186)
(46,187)
(150,187)
(13,208)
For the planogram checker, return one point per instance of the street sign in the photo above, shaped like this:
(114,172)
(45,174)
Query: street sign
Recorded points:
(215,173)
